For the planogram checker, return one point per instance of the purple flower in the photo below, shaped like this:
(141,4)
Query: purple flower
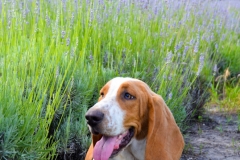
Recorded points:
(215,69)
(185,51)
(68,41)
(63,34)
(201,64)
(170,95)
(163,43)
(169,57)
(130,40)
(196,47)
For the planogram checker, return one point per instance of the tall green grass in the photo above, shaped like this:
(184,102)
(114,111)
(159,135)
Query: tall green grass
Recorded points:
(56,55)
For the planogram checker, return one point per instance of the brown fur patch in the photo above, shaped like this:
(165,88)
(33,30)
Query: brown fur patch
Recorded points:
(136,109)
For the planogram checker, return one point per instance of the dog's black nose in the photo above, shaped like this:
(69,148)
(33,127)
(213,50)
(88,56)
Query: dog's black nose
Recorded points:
(94,117)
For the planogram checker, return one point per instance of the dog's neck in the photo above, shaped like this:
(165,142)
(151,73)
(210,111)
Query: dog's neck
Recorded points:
(134,151)
(137,148)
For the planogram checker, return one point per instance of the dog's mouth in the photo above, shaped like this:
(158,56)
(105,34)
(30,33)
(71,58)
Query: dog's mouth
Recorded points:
(108,146)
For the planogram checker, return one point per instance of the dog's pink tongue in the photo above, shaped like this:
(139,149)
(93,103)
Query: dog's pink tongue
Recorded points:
(104,148)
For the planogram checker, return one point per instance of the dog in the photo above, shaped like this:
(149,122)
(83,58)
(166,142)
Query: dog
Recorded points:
(131,122)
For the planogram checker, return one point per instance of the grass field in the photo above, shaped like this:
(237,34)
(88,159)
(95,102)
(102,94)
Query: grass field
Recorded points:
(56,55)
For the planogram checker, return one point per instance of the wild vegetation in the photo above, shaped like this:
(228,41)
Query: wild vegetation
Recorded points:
(56,55)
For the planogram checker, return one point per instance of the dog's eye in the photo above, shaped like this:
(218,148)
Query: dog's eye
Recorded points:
(102,94)
(128,96)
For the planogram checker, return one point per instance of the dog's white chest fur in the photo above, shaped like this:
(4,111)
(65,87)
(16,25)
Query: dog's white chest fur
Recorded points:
(136,148)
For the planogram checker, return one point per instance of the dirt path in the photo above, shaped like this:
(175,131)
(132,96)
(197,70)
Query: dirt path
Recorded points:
(214,136)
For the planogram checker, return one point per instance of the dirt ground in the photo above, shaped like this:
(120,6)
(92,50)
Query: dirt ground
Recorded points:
(214,136)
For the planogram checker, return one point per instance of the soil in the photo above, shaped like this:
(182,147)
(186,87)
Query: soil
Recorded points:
(213,136)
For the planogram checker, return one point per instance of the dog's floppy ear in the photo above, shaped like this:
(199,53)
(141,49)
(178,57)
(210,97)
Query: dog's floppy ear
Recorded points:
(164,139)
(95,138)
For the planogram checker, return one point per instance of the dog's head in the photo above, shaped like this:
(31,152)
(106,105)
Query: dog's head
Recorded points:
(127,109)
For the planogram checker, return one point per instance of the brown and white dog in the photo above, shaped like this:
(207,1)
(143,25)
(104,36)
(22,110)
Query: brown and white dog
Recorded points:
(131,122)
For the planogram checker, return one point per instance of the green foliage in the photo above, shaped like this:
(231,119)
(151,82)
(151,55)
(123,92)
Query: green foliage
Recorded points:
(56,55)
(225,95)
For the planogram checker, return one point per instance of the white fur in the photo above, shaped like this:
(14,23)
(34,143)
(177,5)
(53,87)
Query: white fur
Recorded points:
(134,151)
